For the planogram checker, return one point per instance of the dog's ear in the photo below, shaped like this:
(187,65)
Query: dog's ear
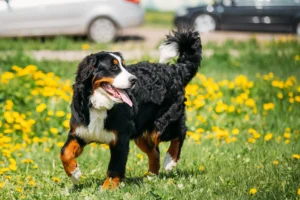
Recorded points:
(82,89)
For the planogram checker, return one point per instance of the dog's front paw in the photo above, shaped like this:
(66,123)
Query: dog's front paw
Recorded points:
(75,176)
(169,163)
(111,183)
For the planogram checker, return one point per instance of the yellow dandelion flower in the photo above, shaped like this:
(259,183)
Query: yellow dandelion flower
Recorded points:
(287,135)
(60,144)
(140,156)
(280,95)
(297,58)
(60,113)
(41,107)
(27,161)
(235,131)
(268,136)
(269,106)
(66,124)
(201,168)
(85,46)
(230,109)
(56,179)
(275,162)
(298,192)
(250,102)
(105,146)
(196,136)
(251,140)
(296,156)
(31,183)
(253,191)
(50,113)
(278,138)
(287,141)
(54,130)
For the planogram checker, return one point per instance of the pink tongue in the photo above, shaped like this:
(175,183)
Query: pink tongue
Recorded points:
(125,97)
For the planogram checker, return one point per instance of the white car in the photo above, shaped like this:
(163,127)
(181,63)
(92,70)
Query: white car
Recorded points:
(99,19)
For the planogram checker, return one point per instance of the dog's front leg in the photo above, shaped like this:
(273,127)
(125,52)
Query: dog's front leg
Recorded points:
(71,150)
(117,164)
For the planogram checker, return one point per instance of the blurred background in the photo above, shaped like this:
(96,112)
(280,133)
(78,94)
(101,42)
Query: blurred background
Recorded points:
(136,27)
(243,106)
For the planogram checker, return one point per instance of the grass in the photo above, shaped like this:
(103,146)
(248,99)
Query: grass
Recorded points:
(226,153)
(159,19)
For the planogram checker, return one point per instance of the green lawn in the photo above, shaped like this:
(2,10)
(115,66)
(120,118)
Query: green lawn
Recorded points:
(244,131)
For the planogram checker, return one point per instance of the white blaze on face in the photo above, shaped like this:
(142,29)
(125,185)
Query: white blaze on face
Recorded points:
(122,80)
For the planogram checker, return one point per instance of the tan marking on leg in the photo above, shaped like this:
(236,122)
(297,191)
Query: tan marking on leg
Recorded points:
(111,183)
(70,152)
(114,142)
(174,149)
(148,143)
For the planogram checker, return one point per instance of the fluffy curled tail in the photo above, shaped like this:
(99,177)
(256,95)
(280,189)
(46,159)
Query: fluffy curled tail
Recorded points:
(187,45)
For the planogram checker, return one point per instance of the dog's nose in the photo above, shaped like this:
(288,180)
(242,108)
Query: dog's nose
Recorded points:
(132,80)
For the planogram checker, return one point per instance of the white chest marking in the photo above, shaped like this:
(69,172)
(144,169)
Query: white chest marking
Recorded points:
(95,131)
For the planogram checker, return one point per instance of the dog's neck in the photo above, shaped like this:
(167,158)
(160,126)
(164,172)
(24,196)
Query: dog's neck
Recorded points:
(101,101)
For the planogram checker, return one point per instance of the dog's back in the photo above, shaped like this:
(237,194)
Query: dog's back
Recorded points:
(160,87)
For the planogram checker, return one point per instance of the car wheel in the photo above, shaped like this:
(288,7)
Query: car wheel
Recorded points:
(298,29)
(205,23)
(102,30)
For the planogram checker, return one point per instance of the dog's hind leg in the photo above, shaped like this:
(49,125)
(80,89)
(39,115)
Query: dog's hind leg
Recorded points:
(148,143)
(71,150)
(173,153)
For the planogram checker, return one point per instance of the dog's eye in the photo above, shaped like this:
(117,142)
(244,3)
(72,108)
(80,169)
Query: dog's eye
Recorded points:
(114,67)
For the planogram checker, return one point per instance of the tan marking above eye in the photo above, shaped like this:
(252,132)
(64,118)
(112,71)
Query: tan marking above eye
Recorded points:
(123,62)
(116,62)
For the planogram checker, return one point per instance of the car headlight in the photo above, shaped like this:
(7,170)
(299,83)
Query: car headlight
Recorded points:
(181,12)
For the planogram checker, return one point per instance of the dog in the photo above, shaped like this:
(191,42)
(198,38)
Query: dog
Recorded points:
(113,103)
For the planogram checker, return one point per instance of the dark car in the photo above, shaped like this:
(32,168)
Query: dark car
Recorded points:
(254,15)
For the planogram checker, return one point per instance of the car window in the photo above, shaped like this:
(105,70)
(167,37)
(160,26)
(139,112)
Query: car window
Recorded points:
(282,3)
(248,2)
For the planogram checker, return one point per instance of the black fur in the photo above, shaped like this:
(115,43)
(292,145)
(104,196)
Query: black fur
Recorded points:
(158,98)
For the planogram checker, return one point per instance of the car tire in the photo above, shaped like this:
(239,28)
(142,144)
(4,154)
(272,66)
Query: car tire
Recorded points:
(298,28)
(102,30)
(205,23)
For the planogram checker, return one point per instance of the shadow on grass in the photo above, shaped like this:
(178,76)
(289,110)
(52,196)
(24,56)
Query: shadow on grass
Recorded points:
(97,182)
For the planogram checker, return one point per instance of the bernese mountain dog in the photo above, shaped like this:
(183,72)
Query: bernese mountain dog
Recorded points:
(114,103)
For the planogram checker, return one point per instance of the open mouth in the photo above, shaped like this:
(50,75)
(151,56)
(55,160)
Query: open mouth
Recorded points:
(116,93)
